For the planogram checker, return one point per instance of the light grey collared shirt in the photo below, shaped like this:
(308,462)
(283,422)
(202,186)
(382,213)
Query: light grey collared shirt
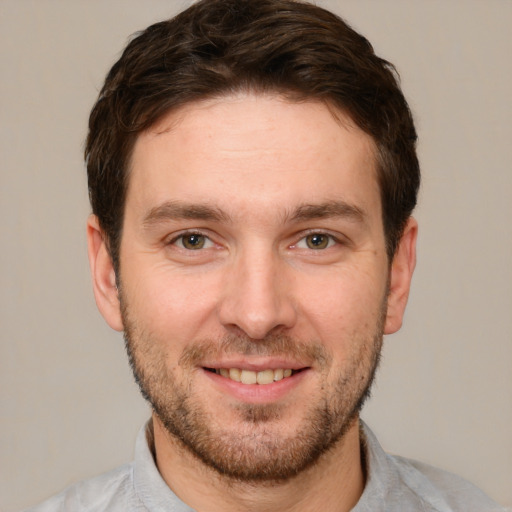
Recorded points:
(393,484)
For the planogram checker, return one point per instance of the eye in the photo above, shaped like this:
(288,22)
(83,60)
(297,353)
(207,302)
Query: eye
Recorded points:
(316,241)
(192,241)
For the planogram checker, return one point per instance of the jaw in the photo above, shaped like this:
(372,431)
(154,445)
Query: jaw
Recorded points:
(337,474)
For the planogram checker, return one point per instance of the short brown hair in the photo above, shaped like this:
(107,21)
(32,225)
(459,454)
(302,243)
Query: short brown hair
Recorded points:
(217,47)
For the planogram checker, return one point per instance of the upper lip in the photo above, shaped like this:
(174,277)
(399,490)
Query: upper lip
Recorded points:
(256,364)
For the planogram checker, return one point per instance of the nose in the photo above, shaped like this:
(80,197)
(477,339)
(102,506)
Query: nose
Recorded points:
(256,295)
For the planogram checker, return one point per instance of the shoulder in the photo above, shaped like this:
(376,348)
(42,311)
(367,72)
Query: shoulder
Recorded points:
(112,491)
(437,486)
(398,484)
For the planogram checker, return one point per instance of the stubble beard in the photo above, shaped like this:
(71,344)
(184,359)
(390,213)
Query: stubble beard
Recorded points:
(254,452)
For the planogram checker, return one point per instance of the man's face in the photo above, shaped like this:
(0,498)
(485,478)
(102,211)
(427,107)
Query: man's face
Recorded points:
(253,248)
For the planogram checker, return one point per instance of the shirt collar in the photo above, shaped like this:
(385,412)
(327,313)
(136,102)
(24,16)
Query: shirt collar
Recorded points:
(388,484)
(149,485)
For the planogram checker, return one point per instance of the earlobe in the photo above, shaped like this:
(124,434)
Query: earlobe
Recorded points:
(402,269)
(103,275)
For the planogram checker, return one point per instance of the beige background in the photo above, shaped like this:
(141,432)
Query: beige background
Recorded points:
(68,408)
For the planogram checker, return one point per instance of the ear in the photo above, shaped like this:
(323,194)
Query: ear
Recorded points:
(402,269)
(103,275)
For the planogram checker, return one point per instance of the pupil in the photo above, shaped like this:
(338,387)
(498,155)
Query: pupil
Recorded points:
(194,241)
(317,241)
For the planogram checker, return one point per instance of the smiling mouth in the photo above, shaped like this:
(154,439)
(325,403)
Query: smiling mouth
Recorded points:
(252,377)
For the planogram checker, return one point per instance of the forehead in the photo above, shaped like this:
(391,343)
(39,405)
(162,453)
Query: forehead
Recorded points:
(261,147)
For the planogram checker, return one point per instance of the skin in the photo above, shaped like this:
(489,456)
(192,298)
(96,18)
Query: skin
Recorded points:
(255,176)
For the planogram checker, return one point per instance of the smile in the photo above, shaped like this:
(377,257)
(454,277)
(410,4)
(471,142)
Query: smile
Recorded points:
(252,377)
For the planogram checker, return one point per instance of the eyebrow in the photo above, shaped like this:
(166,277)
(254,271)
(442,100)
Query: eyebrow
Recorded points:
(329,209)
(177,210)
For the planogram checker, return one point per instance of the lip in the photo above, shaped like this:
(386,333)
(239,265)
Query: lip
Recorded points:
(256,393)
(256,364)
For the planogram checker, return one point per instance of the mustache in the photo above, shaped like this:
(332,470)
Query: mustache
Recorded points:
(273,345)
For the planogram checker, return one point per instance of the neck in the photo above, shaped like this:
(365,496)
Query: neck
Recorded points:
(333,484)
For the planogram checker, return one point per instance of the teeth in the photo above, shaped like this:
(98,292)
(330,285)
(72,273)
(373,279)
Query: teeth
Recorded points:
(265,377)
(251,377)
(248,377)
(278,374)
(234,374)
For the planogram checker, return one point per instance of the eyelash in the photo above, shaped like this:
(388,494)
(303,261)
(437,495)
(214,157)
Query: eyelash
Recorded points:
(331,241)
(182,236)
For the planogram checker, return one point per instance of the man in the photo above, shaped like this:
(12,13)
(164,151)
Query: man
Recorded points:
(252,174)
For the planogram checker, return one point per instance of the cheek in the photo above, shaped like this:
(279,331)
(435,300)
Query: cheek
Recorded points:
(343,303)
(170,305)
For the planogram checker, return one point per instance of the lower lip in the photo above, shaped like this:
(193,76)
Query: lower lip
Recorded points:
(257,393)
